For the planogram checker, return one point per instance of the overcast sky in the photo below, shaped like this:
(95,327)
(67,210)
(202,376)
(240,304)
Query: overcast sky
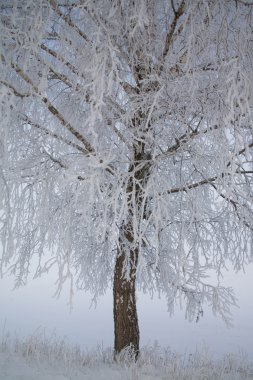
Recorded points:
(32,307)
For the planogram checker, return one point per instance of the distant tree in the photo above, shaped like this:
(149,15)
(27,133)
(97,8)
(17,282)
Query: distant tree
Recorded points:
(126,147)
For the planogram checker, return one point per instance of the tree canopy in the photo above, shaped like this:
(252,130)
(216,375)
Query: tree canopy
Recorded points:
(126,131)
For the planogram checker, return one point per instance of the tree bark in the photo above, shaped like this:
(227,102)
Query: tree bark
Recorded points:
(126,328)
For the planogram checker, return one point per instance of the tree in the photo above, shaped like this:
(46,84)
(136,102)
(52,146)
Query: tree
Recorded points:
(126,147)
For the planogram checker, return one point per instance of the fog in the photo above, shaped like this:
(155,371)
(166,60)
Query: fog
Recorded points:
(32,308)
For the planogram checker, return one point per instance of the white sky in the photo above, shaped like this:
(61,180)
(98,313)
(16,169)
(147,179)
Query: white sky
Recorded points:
(32,307)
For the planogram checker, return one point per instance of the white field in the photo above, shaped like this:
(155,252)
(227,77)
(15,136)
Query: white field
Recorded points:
(42,358)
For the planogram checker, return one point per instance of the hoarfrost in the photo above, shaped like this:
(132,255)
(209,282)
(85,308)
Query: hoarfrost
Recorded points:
(128,129)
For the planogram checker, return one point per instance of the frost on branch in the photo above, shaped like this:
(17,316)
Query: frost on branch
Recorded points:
(126,127)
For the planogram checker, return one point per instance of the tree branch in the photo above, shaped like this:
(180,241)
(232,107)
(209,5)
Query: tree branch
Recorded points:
(68,20)
(207,180)
(54,111)
(191,186)
(235,205)
(112,126)
(61,59)
(185,139)
(244,3)
(173,6)
(63,78)
(14,90)
(169,37)
(27,120)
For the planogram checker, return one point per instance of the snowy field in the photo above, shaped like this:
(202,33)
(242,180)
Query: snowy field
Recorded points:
(42,358)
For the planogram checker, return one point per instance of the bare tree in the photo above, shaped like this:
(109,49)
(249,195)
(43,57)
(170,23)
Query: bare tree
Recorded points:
(126,147)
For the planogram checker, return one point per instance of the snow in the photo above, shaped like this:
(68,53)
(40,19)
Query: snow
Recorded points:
(15,367)
(43,359)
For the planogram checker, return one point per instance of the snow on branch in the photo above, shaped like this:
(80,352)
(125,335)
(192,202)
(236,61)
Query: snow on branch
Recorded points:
(54,135)
(53,110)
(126,128)
(66,18)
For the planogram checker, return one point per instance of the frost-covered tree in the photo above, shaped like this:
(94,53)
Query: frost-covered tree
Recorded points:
(126,147)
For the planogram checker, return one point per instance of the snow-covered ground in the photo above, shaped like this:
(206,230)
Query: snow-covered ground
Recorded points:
(41,358)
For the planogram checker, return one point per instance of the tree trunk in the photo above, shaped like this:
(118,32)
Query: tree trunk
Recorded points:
(126,329)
